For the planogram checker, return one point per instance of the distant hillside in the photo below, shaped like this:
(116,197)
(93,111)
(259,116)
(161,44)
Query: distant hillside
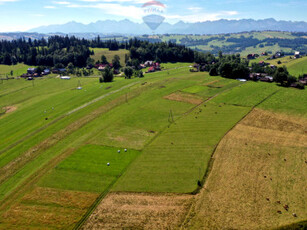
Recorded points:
(128,27)
(243,43)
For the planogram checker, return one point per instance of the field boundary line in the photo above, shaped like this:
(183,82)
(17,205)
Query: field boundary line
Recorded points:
(298,225)
(93,207)
(34,178)
(118,102)
(65,115)
(104,194)
(212,159)
(187,113)
(55,138)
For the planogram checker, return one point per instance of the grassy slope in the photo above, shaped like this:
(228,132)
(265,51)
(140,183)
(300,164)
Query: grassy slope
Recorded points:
(247,94)
(133,124)
(266,144)
(295,67)
(298,67)
(179,156)
(43,140)
(87,170)
(258,35)
(109,54)
(288,101)
(76,139)
(259,168)
(18,69)
(32,109)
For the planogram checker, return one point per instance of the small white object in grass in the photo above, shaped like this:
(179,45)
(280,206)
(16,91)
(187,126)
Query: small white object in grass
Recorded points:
(108,164)
(118,151)
(125,150)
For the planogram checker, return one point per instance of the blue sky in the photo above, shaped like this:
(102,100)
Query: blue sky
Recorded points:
(21,15)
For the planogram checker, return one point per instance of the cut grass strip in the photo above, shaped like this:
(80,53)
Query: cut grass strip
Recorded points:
(178,158)
(87,169)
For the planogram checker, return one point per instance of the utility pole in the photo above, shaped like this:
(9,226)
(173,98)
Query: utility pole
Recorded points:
(170,117)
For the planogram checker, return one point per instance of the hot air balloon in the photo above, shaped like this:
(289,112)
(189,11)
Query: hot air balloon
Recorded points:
(153,11)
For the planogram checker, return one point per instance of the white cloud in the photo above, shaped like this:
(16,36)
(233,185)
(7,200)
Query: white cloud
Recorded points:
(37,15)
(229,13)
(4,1)
(195,9)
(201,17)
(62,3)
(114,9)
(116,1)
(49,7)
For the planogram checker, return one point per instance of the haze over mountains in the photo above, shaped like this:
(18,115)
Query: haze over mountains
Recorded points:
(207,27)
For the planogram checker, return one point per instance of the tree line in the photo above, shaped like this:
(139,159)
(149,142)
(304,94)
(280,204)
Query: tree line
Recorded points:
(64,50)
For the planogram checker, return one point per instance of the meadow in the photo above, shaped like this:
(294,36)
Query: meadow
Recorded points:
(257,178)
(296,67)
(58,141)
(19,69)
(98,52)
(214,43)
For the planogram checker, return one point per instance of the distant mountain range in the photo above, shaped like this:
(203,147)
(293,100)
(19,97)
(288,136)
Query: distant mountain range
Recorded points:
(127,27)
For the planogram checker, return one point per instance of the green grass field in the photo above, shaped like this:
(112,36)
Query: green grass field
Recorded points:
(18,70)
(87,169)
(288,101)
(295,67)
(57,141)
(249,94)
(179,157)
(109,54)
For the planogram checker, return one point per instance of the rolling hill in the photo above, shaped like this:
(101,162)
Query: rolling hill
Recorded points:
(170,150)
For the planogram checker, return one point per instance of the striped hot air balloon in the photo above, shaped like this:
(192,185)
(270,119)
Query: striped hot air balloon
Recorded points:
(153,11)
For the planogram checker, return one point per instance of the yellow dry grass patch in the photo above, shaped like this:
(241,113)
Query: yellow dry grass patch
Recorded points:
(184,97)
(259,167)
(9,109)
(6,110)
(211,82)
(140,211)
(48,207)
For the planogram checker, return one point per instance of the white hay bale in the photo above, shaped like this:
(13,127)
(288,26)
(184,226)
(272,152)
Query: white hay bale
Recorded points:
(108,164)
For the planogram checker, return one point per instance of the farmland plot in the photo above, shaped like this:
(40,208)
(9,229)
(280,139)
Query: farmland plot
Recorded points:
(258,179)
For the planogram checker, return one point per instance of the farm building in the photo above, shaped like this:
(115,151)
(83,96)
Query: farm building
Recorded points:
(46,71)
(151,69)
(303,79)
(252,56)
(267,79)
(65,78)
(148,63)
(31,70)
(262,63)
(297,54)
